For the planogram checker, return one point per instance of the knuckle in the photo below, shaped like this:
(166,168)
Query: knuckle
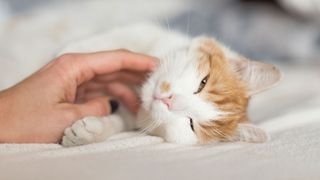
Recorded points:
(66,58)
(101,107)
(72,114)
(122,94)
(122,51)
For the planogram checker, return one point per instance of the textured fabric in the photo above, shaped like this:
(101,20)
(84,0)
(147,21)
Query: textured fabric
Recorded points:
(291,154)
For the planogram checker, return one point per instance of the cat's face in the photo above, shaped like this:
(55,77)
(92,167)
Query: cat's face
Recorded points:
(200,93)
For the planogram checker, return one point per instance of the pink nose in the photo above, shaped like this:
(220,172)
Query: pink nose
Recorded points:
(165,100)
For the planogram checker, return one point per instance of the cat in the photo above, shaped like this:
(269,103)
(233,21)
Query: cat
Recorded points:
(199,92)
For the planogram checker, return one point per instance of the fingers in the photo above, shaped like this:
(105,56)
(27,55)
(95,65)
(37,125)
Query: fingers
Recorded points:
(128,77)
(72,70)
(117,90)
(84,67)
(126,95)
(90,90)
(99,106)
(112,61)
(89,95)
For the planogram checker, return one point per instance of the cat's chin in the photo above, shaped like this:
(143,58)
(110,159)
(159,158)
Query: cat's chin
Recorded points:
(172,127)
(158,106)
(181,140)
(172,137)
(159,111)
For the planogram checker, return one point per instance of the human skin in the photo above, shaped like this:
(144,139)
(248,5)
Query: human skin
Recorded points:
(38,109)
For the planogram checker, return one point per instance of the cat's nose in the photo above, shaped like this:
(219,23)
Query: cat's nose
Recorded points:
(165,100)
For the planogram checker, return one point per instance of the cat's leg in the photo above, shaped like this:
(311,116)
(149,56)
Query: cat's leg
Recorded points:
(92,129)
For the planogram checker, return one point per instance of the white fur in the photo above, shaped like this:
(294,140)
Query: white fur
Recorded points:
(92,129)
(178,66)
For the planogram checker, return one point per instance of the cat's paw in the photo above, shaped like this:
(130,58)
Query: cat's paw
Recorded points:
(85,131)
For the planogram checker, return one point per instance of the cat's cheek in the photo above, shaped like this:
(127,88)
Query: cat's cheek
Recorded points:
(179,104)
(181,139)
(179,132)
(146,93)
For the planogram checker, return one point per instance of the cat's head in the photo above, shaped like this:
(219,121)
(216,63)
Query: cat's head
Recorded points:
(200,93)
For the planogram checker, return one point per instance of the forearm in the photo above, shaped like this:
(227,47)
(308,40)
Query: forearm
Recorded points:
(11,123)
(17,125)
(4,116)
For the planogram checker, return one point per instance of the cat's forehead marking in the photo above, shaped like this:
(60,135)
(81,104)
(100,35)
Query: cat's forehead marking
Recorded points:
(164,87)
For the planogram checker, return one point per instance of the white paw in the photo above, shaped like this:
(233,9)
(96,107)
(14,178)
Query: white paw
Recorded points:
(85,131)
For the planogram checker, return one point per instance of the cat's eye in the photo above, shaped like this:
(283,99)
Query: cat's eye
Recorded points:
(202,84)
(191,124)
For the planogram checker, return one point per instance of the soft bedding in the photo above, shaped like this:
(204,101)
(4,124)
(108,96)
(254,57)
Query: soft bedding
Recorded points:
(290,112)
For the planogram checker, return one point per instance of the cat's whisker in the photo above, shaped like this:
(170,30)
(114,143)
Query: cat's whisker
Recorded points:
(154,125)
(226,136)
(220,133)
(188,25)
(158,21)
(148,128)
(168,26)
(216,131)
(143,122)
(213,131)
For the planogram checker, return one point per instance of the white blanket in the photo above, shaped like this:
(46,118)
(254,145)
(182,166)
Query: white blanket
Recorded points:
(290,113)
(291,154)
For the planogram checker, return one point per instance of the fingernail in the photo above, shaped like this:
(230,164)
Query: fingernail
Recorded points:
(114,105)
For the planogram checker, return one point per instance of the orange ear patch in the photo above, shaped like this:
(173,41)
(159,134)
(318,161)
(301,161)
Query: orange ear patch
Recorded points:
(164,87)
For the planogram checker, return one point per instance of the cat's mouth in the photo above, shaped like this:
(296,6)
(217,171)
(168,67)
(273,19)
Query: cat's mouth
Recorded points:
(161,109)
(168,106)
(159,105)
(166,101)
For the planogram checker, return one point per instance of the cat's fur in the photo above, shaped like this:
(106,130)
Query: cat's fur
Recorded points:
(198,93)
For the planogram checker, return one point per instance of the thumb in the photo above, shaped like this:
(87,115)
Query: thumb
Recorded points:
(99,106)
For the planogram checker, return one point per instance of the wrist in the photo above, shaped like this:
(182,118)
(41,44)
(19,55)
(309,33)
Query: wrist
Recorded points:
(5,104)
(3,107)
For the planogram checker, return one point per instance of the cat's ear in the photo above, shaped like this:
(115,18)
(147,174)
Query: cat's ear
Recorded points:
(257,76)
(250,133)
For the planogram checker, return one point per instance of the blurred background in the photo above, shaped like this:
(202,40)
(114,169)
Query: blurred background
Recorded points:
(282,32)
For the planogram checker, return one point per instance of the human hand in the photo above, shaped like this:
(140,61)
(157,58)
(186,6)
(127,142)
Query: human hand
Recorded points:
(38,109)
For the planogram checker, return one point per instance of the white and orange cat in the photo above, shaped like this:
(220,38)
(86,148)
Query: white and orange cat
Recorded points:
(199,92)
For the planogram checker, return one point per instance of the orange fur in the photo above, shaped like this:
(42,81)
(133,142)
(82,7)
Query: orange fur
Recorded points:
(224,90)
(164,87)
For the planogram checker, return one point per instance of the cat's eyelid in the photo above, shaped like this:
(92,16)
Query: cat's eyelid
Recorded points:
(206,77)
(191,124)
(201,86)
